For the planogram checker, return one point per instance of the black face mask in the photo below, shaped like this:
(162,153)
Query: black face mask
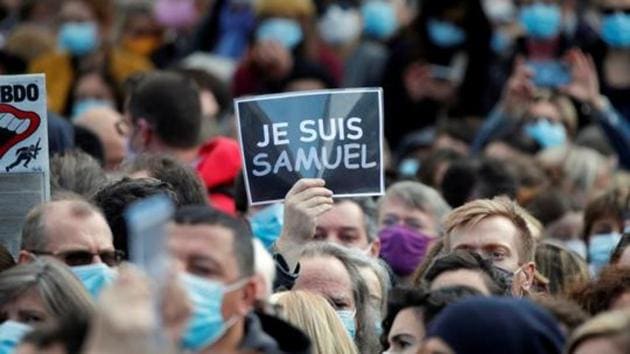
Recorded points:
(505,279)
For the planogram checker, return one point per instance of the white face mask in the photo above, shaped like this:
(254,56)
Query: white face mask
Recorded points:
(499,11)
(338,26)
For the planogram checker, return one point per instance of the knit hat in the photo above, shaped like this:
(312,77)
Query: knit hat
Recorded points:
(493,325)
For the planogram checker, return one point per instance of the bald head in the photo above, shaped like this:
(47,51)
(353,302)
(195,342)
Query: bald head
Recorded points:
(65,225)
(102,122)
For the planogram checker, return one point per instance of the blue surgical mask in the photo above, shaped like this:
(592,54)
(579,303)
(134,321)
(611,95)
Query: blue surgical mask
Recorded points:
(11,333)
(616,30)
(267,224)
(95,277)
(379,19)
(577,246)
(347,319)
(206,323)
(545,133)
(600,247)
(445,34)
(284,31)
(78,38)
(541,21)
(82,106)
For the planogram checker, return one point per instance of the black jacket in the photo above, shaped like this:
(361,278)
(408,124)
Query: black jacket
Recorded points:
(270,335)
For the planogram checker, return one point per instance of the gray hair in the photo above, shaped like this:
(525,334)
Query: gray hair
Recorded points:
(368,207)
(379,268)
(34,229)
(416,195)
(76,171)
(61,292)
(366,336)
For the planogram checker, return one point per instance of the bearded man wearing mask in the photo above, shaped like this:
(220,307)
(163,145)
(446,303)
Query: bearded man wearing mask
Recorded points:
(83,32)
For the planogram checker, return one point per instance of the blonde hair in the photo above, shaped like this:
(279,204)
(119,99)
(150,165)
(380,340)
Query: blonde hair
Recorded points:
(315,316)
(471,213)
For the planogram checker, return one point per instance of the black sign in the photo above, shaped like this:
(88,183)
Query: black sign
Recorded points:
(334,134)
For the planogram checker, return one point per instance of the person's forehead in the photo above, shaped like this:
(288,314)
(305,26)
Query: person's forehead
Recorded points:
(324,275)
(213,241)
(545,109)
(493,230)
(76,11)
(29,300)
(395,206)
(342,214)
(66,228)
(408,321)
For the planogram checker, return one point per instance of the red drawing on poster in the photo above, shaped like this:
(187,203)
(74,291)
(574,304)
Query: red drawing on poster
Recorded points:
(15,126)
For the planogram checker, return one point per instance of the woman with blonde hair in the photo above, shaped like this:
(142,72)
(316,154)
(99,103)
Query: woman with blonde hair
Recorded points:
(315,316)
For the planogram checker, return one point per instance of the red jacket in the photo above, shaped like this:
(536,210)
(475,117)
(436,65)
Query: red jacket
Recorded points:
(219,165)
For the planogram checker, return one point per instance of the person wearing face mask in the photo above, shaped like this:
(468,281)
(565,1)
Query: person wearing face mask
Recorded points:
(440,64)
(82,40)
(140,34)
(363,47)
(409,216)
(604,221)
(214,255)
(35,294)
(497,230)
(75,232)
(331,271)
(267,223)
(282,44)
(611,51)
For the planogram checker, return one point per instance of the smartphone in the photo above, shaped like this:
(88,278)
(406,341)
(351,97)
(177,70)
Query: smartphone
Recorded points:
(550,73)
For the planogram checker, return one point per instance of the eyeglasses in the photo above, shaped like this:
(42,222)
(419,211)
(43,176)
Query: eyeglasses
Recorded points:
(79,258)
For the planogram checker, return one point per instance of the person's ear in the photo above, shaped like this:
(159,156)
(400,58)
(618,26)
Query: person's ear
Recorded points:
(25,257)
(375,248)
(247,297)
(529,272)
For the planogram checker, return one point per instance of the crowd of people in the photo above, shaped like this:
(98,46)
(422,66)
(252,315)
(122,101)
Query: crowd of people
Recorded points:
(504,227)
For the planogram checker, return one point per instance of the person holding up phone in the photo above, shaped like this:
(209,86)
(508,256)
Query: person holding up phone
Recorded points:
(523,107)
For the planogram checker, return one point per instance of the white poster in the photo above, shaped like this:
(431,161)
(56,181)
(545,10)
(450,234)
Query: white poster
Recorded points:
(23,126)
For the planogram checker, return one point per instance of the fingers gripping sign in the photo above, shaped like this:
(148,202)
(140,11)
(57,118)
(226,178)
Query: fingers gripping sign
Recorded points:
(305,201)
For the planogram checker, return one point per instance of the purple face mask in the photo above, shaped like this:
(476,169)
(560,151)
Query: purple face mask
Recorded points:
(402,248)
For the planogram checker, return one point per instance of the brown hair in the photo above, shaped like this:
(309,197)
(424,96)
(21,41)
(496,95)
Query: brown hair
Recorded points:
(475,211)
(614,325)
(563,268)
(613,203)
(566,312)
(597,295)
